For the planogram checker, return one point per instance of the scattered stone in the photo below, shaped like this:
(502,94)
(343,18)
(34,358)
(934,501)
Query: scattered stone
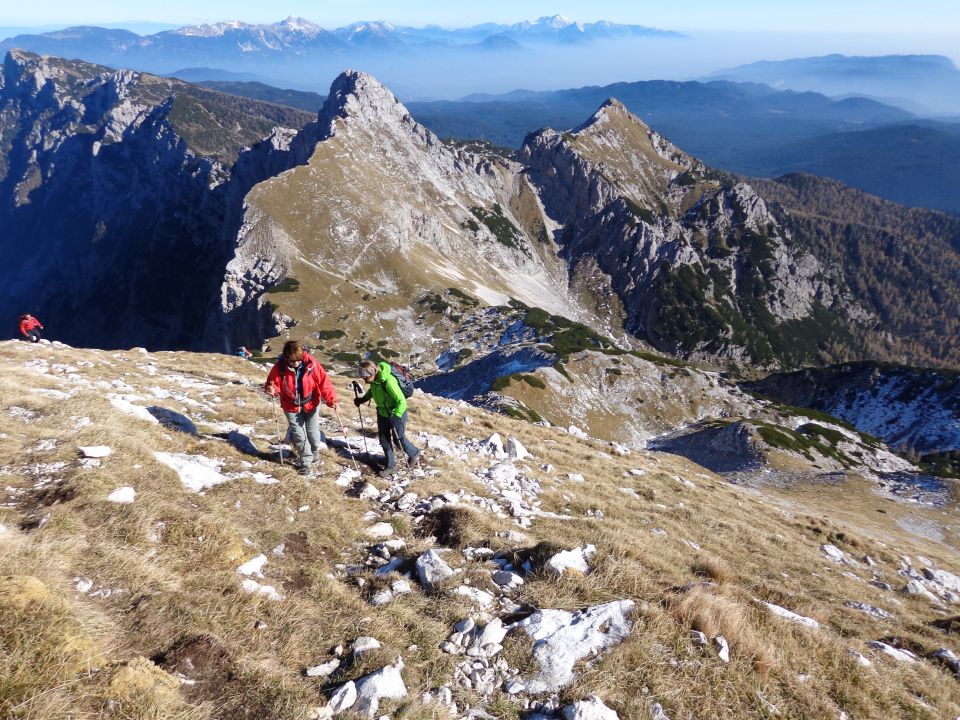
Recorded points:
(507,580)
(896,653)
(869,609)
(95,451)
(572,560)
(380,530)
(253,566)
(916,589)
(323,670)
(122,496)
(516,450)
(722,648)
(699,639)
(480,597)
(432,570)
(593,708)
(861,659)
(942,577)
(363,645)
(657,712)
(494,444)
(401,587)
(834,553)
(252,587)
(368,491)
(948,658)
(346,478)
(83,584)
(385,684)
(384,597)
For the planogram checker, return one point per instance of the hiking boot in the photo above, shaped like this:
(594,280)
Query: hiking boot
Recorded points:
(305,471)
(387,472)
(414,462)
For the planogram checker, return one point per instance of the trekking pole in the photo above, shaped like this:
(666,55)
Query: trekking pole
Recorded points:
(276,421)
(363,430)
(344,431)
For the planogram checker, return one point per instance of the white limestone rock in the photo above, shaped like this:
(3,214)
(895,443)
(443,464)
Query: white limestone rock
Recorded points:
(323,670)
(575,560)
(593,708)
(896,653)
(364,645)
(380,530)
(562,639)
(343,698)
(95,451)
(516,450)
(432,570)
(384,684)
(722,647)
(789,615)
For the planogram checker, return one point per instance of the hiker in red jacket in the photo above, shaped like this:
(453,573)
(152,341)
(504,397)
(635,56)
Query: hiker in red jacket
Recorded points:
(30,328)
(301,383)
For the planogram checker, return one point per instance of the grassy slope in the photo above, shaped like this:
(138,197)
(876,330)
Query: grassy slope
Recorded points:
(175,554)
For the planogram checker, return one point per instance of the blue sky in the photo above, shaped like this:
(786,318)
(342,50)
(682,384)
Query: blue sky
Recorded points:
(893,17)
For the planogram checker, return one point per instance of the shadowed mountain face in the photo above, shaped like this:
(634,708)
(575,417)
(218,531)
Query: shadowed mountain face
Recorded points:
(116,190)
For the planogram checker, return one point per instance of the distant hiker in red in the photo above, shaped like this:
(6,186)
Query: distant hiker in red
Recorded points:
(301,383)
(244,353)
(30,328)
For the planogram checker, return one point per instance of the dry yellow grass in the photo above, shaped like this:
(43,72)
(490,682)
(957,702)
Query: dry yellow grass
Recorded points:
(169,561)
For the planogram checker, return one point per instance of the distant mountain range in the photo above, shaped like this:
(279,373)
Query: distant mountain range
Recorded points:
(229,44)
(921,83)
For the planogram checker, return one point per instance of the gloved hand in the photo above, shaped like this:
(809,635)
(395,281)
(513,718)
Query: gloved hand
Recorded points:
(335,406)
(358,401)
(395,423)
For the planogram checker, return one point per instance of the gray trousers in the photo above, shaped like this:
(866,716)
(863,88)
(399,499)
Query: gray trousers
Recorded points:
(305,433)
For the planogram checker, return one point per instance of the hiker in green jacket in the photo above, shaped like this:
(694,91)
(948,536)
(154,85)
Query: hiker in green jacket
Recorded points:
(391,412)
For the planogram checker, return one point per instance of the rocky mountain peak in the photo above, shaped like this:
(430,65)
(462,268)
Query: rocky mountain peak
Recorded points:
(360,98)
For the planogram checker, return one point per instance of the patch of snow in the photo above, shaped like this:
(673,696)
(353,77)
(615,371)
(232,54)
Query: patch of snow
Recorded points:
(196,471)
(252,587)
(122,496)
(95,451)
(253,566)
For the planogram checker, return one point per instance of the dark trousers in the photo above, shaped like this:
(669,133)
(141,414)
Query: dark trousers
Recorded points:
(398,425)
(33,336)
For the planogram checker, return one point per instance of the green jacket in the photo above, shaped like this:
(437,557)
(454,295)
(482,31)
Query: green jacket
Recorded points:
(386,393)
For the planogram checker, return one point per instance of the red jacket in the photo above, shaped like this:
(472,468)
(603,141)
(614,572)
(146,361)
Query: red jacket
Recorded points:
(28,324)
(316,385)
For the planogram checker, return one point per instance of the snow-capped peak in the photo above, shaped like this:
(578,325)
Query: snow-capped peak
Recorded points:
(299,24)
(210,30)
(557,22)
